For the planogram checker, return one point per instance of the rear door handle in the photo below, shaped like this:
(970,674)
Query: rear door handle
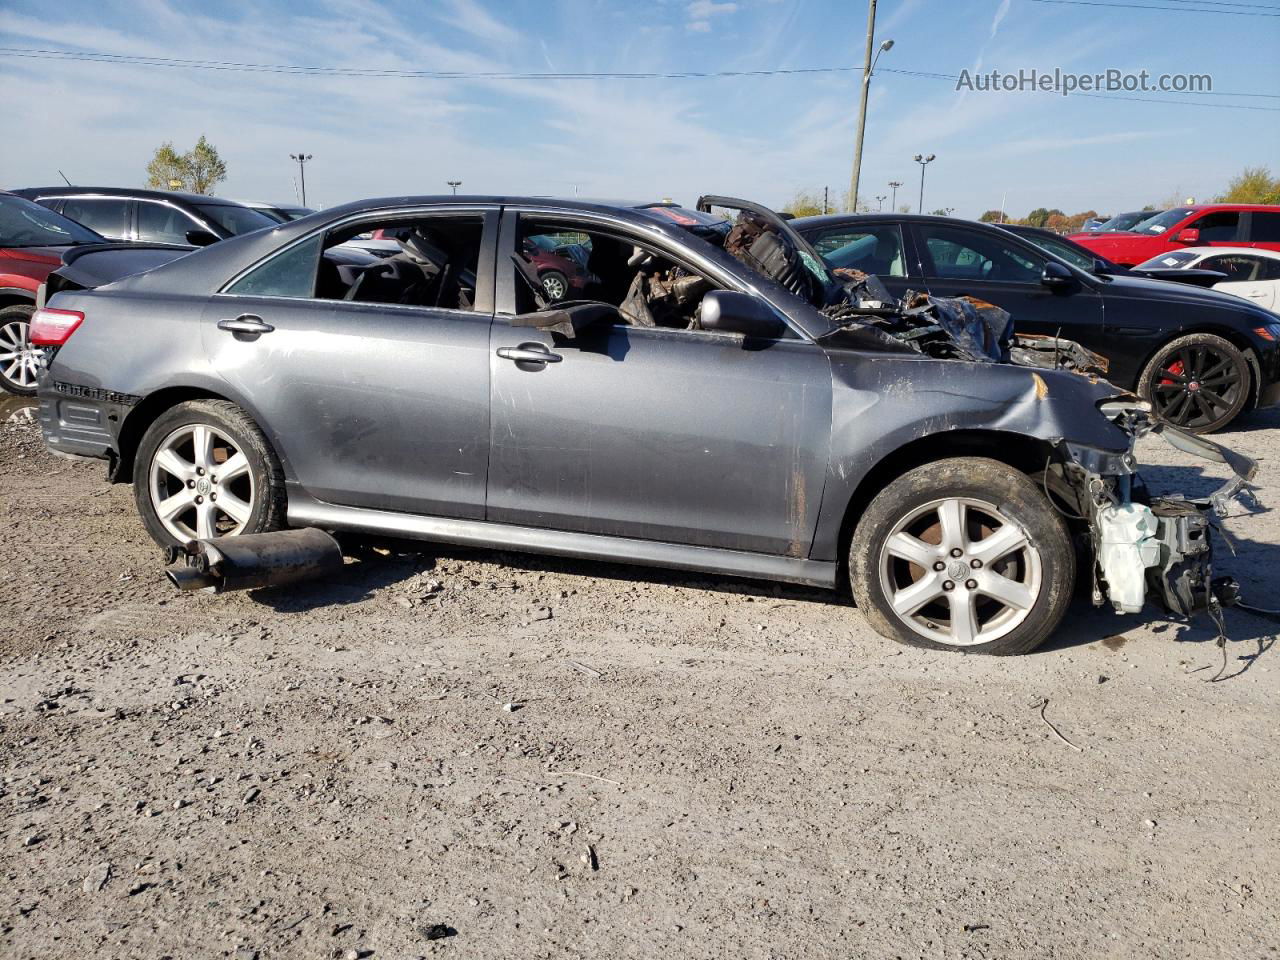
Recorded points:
(529,353)
(246,323)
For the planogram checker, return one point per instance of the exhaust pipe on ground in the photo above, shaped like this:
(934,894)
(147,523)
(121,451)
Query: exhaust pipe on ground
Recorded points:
(252,561)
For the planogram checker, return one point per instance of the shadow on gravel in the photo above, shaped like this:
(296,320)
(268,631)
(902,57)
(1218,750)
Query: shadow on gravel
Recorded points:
(365,572)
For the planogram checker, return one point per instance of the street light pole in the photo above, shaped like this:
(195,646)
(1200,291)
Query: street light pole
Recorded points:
(923,161)
(455,184)
(868,66)
(893,205)
(880,204)
(302,158)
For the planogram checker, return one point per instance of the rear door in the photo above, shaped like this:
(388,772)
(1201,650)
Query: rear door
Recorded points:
(1264,229)
(652,432)
(989,265)
(1249,275)
(372,404)
(109,216)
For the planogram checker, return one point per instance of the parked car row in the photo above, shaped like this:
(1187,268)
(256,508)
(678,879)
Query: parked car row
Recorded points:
(713,395)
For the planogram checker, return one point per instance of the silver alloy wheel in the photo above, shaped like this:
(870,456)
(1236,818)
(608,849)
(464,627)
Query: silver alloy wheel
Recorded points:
(555,287)
(957,571)
(201,484)
(19,361)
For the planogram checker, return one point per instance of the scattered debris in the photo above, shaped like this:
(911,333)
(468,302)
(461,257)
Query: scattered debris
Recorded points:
(97,878)
(585,669)
(589,776)
(1044,703)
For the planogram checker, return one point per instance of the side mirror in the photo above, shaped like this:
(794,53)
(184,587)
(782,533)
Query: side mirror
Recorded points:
(728,311)
(1056,276)
(1189,235)
(1101,266)
(201,238)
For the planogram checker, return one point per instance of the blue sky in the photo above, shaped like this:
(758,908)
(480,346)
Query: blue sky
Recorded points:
(759,137)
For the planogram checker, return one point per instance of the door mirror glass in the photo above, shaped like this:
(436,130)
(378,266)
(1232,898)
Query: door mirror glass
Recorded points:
(1189,235)
(728,311)
(201,238)
(1056,275)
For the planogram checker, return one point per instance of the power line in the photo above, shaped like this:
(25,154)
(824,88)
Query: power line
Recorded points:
(1137,6)
(367,72)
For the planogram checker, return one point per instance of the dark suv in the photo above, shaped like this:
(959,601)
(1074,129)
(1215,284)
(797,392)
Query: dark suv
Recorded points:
(151,216)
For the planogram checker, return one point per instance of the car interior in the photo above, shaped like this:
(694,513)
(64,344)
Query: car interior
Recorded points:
(875,251)
(435,265)
(644,288)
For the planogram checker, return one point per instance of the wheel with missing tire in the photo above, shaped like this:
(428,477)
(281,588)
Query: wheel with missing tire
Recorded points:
(204,469)
(19,361)
(1199,383)
(963,554)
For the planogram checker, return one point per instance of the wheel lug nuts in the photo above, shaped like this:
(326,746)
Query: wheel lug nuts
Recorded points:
(939,566)
(199,499)
(948,586)
(956,551)
(191,483)
(975,563)
(199,471)
(971,584)
(213,496)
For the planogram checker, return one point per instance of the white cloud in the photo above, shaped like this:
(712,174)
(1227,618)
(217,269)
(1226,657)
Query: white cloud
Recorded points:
(470,17)
(701,12)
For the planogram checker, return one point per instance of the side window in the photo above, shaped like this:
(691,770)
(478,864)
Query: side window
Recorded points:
(106,216)
(1239,268)
(1216,227)
(960,254)
(875,248)
(561,262)
(423,262)
(1266,228)
(161,223)
(1270,269)
(288,274)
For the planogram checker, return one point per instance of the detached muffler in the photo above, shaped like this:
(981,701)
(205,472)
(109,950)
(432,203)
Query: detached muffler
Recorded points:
(253,561)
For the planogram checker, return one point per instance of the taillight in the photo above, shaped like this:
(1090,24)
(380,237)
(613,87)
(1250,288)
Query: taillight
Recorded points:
(52,328)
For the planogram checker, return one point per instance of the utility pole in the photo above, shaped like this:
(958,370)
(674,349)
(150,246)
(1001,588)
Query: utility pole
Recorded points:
(923,161)
(455,184)
(868,65)
(893,205)
(302,158)
(825,208)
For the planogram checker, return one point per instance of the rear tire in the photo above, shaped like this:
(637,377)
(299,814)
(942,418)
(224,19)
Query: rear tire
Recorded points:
(204,469)
(1198,383)
(17,359)
(963,554)
(556,285)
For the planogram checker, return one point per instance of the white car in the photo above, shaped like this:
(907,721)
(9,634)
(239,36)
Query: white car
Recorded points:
(1251,273)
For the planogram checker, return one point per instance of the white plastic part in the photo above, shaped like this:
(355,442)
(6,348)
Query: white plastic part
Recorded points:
(1128,547)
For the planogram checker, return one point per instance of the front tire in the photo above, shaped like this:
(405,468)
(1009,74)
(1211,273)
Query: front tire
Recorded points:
(204,469)
(18,361)
(1199,382)
(963,554)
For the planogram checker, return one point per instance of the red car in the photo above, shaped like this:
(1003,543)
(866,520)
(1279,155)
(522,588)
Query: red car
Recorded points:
(1202,225)
(32,242)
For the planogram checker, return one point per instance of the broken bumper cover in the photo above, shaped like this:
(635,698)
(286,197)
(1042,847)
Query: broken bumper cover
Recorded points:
(1146,545)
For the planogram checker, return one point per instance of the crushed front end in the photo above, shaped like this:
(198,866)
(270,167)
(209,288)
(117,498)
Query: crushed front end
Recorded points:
(1142,544)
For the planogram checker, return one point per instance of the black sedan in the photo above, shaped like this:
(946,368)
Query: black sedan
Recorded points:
(1201,357)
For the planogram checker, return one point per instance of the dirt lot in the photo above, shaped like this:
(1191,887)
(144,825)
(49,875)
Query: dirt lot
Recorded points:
(693,768)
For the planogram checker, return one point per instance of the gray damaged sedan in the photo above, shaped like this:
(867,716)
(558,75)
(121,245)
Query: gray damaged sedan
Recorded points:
(707,396)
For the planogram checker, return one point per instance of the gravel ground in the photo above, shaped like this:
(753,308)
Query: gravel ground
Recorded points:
(553,758)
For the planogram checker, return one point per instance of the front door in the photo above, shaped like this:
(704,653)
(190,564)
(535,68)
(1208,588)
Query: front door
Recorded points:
(651,432)
(373,396)
(958,261)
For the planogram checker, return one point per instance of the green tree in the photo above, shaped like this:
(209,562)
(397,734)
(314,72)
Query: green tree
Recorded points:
(198,170)
(1253,185)
(805,203)
(993,216)
(166,169)
(205,168)
(1040,215)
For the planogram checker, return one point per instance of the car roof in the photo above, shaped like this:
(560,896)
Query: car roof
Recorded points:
(825,219)
(126,192)
(1201,207)
(1213,251)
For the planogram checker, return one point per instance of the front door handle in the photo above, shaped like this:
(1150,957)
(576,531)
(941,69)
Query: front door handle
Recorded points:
(533,352)
(246,323)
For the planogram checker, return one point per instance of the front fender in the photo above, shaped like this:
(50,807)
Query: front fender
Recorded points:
(881,403)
